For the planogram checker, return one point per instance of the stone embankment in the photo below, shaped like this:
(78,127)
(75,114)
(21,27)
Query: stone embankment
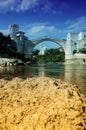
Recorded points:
(4,62)
(41,104)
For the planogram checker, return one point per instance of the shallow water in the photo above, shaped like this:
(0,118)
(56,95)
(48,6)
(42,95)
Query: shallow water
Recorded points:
(75,74)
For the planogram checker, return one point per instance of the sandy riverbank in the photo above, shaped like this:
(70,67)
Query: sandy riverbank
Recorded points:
(41,104)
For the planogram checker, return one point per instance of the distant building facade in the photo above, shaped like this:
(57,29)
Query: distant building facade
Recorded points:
(13,29)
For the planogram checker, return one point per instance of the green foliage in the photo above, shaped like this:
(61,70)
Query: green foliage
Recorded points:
(41,59)
(51,55)
(75,51)
(83,50)
(35,52)
(1,34)
(7,46)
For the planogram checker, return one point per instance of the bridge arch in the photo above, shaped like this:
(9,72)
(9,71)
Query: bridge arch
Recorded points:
(33,43)
(60,42)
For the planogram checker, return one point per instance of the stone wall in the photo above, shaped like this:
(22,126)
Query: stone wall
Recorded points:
(77,58)
(7,61)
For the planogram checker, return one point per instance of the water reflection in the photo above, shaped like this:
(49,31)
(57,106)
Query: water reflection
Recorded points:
(75,74)
(41,70)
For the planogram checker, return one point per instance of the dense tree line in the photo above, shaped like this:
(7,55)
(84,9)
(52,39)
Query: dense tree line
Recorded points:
(8,47)
(51,55)
(82,51)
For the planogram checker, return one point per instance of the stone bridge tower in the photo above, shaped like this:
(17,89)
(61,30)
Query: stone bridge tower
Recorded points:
(12,30)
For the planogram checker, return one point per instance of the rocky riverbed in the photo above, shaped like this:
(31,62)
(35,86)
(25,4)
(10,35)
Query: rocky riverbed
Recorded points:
(41,104)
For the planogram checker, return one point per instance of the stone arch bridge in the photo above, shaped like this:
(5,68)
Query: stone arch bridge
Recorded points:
(62,42)
(73,43)
(55,40)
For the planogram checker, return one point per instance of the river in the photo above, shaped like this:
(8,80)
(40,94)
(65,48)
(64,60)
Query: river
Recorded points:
(74,73)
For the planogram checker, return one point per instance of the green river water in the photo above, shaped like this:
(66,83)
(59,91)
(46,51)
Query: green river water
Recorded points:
(74,73)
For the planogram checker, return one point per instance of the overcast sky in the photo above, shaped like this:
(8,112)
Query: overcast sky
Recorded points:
(38,18)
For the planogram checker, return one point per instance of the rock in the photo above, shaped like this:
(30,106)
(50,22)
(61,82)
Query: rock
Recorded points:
(41,104)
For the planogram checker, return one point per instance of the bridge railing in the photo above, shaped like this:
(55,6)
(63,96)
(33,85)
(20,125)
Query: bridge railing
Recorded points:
(47,38)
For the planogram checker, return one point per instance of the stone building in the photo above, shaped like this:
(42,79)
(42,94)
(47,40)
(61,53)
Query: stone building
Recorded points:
(24,45)
(75,42)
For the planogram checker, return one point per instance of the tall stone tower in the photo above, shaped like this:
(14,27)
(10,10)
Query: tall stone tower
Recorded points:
(13,29)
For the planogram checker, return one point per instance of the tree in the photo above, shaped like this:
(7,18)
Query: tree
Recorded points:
(83,50)
(7,46)
(51,55)
(35,52)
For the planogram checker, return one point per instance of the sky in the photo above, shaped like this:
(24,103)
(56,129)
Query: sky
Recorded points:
(38,18)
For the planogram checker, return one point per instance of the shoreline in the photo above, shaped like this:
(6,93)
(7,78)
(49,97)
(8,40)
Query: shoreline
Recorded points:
(41,103)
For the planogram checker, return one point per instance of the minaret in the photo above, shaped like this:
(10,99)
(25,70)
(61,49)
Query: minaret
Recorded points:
(13,29)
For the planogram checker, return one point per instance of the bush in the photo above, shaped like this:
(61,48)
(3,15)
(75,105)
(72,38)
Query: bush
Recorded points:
(83,50)
(75,51)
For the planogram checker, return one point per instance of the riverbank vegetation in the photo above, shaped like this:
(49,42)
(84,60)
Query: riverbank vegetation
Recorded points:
(8,48)
(51,55)
(82,51)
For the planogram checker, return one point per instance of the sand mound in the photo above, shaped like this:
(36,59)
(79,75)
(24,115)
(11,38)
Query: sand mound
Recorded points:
(41,104)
